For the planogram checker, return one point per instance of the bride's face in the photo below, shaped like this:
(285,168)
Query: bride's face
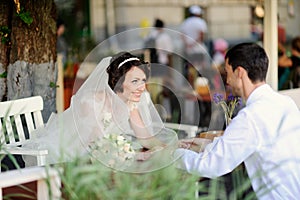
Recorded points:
(134,85)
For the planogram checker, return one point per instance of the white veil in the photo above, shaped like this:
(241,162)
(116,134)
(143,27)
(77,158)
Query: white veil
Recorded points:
(97,124)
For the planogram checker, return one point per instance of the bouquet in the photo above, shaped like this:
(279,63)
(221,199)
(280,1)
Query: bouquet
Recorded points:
(228,105)
(113,150)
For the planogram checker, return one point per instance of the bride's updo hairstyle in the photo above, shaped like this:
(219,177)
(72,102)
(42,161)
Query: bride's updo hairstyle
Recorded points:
(120,64)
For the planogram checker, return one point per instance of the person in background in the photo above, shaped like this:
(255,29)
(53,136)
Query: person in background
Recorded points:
(284,69)
(281,35)
(162,43)
(193,31)
(161,82)
(265,134)
(256,30)
(61,43)
(289,67)
(220,48)
(284,62)
(295,62)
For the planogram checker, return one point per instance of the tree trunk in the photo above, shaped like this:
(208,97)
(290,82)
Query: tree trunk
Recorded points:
(32,68)
(5,18)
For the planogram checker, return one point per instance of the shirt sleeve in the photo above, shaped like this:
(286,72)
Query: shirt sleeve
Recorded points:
(224,154)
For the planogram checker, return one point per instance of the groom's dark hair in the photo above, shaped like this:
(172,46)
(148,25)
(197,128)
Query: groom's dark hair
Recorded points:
(251,57)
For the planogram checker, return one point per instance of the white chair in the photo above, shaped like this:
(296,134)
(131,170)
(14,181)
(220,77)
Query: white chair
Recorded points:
(18,119)
(47,180)
(294,94)
(191,130)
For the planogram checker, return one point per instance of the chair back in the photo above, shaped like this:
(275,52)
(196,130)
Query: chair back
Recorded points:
(18,118)
(294,94)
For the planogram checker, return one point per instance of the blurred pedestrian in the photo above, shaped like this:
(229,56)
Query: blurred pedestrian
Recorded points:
(193,31)
(162,42)
(160,83)
(61,43)
(194,28)
(220,48)
(289,66)
(296,62)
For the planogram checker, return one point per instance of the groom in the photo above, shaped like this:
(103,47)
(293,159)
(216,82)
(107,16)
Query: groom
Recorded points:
(265,135)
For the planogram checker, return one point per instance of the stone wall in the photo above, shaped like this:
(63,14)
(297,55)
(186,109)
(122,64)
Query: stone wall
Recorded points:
(227,21)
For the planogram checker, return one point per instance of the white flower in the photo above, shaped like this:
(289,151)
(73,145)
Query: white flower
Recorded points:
(120,140)
(127,147)
(107,118)
(113,137)
(116,149)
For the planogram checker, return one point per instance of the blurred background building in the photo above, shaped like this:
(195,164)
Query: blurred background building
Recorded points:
(90,22)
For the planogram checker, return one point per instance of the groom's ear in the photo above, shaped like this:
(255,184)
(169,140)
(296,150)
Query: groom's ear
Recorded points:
(240,71)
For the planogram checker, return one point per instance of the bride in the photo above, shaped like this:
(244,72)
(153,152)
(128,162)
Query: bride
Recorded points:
(111,119)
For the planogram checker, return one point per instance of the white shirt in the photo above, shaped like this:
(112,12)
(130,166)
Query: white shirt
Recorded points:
(265,135)
(191,29)
(163,45)
(192,26)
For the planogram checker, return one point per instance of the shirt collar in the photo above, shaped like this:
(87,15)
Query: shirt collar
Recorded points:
(257,93)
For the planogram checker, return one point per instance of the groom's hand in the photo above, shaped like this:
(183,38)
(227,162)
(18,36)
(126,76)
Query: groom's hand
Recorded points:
(194,144)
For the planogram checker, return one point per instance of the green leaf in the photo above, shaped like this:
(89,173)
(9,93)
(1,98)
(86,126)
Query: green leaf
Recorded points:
(3,75)
(25,16)
(4,34)
(53,85)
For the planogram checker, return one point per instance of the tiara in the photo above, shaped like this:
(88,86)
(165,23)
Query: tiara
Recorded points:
(127,60)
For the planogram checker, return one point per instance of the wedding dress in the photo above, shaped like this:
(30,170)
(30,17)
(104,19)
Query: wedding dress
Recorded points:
(97,125)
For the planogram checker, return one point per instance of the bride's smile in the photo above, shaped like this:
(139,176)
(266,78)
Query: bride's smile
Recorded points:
(134,84)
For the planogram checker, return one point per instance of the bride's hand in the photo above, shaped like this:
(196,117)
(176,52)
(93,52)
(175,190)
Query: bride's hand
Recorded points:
(132,105)
(145,155)
(142,156)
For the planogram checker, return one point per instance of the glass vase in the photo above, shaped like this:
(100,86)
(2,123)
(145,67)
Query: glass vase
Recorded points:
(227,120)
